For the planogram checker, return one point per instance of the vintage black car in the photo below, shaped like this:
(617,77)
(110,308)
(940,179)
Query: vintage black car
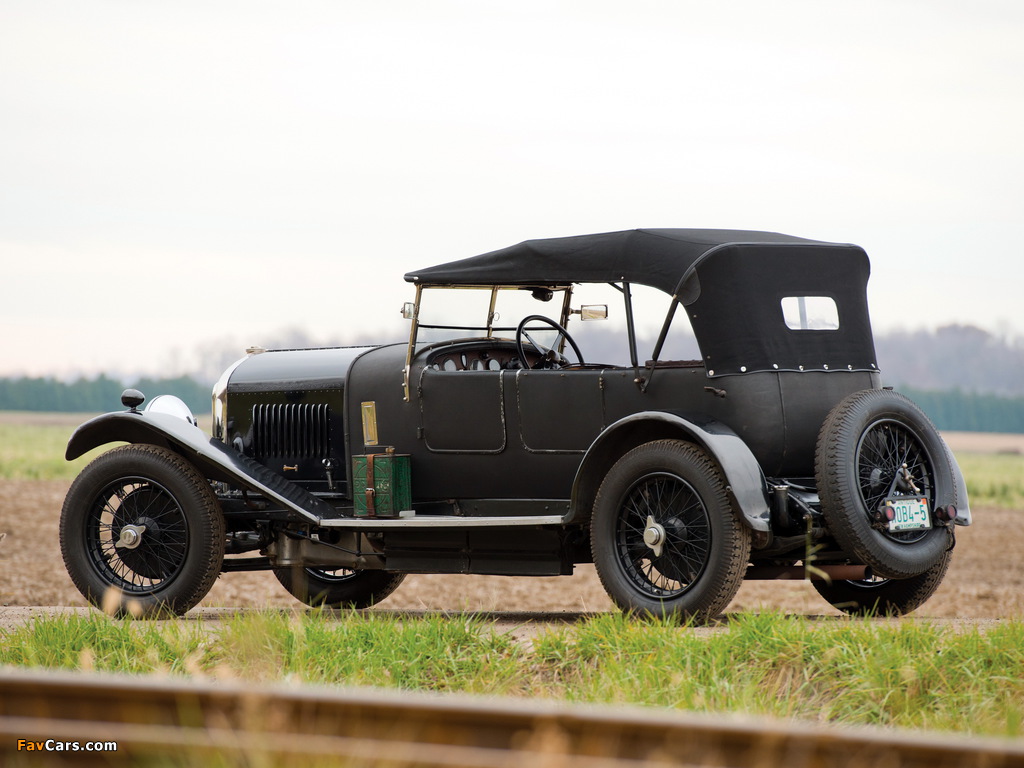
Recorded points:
(491,444)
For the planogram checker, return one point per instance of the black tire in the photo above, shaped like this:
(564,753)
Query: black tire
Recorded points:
(884,597)
(340,588)
(705,547)
(158,498)
(861,447)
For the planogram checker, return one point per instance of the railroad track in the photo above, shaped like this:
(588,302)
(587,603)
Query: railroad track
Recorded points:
(231,724)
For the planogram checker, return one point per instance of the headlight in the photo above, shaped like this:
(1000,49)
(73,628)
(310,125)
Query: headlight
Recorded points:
(173,406)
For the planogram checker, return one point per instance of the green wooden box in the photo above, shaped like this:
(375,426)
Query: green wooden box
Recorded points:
(381,485)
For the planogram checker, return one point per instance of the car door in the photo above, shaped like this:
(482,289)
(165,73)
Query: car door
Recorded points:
(462,411)
(560,411)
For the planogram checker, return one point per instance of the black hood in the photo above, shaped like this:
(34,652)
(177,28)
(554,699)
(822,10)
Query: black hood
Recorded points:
(298,369)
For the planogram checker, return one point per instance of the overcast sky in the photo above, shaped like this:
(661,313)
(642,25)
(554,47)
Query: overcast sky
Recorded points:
(176,173)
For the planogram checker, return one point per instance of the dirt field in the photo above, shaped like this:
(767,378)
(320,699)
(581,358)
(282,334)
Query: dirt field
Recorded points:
(984,442)
(985,580)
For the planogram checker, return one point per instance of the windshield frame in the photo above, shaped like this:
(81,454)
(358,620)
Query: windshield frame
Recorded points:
(489,328)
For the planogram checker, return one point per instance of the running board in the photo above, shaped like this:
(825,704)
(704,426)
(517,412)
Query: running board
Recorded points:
(438,521)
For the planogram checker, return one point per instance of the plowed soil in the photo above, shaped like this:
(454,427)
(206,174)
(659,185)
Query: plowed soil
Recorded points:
(985,580)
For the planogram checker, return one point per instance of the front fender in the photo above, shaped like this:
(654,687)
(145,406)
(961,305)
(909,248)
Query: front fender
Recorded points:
(743,476)
(214,459)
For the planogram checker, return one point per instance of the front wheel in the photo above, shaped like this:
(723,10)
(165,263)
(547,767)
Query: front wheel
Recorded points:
(141,532)
(665,539)
(339,588)
(884,597)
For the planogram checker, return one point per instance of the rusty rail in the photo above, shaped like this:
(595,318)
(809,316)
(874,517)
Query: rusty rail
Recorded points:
(192,723)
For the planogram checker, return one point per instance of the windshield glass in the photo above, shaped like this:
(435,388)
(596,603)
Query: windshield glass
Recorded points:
(463,313)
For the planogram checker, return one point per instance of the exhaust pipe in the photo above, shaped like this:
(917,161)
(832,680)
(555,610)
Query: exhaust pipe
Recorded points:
(799,572)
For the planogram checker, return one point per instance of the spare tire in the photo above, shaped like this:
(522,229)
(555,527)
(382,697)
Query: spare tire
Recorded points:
(862,448)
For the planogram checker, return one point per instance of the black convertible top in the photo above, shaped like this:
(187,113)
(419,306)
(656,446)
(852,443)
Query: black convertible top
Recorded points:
(731,282)
(660,258)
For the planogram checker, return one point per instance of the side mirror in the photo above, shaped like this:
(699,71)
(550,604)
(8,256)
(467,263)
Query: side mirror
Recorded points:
(592,312)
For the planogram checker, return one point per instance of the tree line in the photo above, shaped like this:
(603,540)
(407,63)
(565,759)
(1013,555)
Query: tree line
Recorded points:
(970,411)
(950,410)
(95,395)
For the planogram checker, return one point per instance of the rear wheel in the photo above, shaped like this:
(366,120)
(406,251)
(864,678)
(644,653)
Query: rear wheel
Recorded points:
(875,445)
(338,588)
(884,597)
(141,532)
(665,539)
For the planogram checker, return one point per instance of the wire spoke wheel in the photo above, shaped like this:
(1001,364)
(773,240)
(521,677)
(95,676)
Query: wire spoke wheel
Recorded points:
(338,587)
(665,538)
(670,505)
(891,459)
(333,576)
(141,532)
(158,554)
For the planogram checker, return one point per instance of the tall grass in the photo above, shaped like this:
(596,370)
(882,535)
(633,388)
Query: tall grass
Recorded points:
(845,671)
(438,654)
(907,674)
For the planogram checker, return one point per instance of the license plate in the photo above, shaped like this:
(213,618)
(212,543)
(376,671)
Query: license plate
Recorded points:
(909,514)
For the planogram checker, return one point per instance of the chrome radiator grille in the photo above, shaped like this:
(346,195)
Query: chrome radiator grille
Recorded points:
(292,430)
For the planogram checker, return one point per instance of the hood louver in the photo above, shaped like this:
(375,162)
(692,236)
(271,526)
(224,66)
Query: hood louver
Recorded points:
(291,431)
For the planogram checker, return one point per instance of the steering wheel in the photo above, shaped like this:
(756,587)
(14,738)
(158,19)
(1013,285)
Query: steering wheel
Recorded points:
(550,357)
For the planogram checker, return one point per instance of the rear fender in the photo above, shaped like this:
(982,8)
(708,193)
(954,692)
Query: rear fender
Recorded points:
(963,504)
(214,459)
(743,477)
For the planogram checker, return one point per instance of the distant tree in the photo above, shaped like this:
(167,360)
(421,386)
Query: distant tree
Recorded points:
(964,377)
(196,395)
(970,412)
(48,394)
(952,357)
(94,395)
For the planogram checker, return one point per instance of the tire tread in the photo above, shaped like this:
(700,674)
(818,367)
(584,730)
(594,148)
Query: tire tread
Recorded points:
(710,599)
(187,590)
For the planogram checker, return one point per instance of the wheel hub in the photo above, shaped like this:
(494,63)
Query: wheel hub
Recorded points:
(131,537)
(654,536)
(138,545)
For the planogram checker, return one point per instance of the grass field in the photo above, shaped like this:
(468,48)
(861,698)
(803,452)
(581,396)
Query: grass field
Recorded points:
(904,674)
(32,446)
(993,480)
